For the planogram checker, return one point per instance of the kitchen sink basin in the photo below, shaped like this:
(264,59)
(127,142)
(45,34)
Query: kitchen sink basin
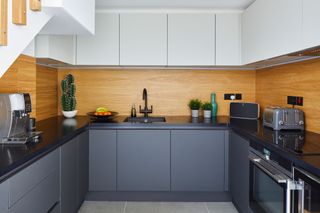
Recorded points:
(145,119)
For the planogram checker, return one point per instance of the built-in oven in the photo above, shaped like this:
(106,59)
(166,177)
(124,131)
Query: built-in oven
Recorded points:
(272,187)
(311,195)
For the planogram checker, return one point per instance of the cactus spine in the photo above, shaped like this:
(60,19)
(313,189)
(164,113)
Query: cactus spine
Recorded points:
(68,89)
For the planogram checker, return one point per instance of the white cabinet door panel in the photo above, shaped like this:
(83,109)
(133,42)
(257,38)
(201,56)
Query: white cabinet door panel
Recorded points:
(191,39)
(311,23)
(228,38)
(103,47)
(143,39)
(271,28)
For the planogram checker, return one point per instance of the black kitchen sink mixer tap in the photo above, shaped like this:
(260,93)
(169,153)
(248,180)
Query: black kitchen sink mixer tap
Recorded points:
(145,111)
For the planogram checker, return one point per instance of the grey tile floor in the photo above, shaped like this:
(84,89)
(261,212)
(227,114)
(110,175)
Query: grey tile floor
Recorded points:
(156,207)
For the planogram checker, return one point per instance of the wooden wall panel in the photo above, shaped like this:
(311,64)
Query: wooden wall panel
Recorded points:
(35,5)
(19,12)
(47,97)
(169,90)
(21,78)
(298,79)
(3,22)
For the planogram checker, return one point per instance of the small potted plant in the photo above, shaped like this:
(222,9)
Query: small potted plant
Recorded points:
(68,99)
(207,108)
(195,105)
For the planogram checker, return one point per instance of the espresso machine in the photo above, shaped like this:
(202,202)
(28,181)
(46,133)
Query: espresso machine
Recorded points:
(14,119)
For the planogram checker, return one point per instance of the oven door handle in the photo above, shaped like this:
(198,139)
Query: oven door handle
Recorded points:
(268,169)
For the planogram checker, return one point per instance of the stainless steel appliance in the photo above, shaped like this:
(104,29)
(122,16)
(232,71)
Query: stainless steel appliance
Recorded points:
(311,199)
(272,186)
(14,117)
(241,110)
(279,118)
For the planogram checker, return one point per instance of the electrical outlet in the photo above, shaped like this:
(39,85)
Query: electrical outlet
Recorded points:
(295,100)
(234,96)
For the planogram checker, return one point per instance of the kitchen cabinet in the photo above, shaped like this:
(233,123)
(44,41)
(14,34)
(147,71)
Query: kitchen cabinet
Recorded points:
(68,188)
(228,39)
(102,48)
(198,160)
(143,160)
(35,188)
(191,39)
(4,196)
(271,28)
(57,47)
(102,160)
(311,24)
(239,172)
(82,167)
(143,39)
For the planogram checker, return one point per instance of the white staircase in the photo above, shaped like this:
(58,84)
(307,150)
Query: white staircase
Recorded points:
(55,17)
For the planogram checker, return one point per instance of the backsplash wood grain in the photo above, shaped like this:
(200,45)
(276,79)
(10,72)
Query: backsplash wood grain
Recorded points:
(298,79)
(169,90)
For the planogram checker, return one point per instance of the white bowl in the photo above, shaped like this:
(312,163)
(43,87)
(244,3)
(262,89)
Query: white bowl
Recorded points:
(70,114)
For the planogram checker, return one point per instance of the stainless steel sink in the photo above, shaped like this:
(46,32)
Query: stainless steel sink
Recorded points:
(145,119)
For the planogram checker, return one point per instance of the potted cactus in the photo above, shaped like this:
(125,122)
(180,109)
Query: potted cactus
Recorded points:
(207,108)
(194,105)
(68,99)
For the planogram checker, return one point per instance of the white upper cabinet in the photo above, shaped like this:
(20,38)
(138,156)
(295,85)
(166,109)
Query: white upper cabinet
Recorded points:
(103,47)
(143,39)
(228,39)
(57,47)
(311,23)
(191,39)
(271,28)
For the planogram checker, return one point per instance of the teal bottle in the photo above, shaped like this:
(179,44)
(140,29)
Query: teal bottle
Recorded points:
(214,105)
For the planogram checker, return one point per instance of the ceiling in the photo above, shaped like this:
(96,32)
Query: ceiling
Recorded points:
(172,4)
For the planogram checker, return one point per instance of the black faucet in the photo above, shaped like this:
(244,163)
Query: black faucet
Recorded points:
(145,111)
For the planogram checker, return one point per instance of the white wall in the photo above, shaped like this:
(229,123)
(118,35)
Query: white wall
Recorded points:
(19,37)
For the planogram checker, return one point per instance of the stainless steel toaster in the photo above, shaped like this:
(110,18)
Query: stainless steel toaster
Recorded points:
(279,118)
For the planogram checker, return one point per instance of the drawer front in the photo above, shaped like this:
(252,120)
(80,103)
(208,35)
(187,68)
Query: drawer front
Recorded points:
(4,196)
(41,198)
(28,178)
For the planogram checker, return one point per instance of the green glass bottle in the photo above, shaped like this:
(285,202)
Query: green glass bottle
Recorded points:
(214,105)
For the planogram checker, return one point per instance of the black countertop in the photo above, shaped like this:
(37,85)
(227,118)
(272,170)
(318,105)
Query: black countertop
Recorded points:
(172,122)
(301,147)
(57,131)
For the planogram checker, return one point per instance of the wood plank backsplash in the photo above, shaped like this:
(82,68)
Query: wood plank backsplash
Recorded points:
(21,78)
(41,82)
(168,90)
(298,79)
(47,92)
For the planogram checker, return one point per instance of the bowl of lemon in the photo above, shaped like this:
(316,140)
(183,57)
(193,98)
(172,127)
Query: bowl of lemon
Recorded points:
(102,113)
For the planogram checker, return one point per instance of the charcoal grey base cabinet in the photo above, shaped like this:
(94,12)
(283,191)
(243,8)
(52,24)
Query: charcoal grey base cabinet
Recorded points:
(74,173)
(199,160)
(239,172)
(143,160)
(102,160)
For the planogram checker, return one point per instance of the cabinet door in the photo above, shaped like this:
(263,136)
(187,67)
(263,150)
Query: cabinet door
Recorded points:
(82,167)
(311,23)
(271,28)
(143,39)
(4,196)
(228,38)
(69,176)
(102,48)
(239,172)
(102,160)
(143,160)
(198,160)
(191,39)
